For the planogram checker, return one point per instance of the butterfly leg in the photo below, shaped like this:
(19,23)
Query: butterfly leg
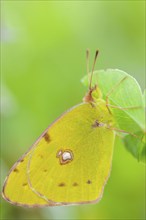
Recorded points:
(123,131)
(111,91)
(122,108)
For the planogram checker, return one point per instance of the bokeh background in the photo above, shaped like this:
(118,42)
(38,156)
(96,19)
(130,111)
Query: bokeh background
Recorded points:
(42,62)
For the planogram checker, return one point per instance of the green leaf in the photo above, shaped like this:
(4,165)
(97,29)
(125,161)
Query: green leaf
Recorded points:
(136,146)
(126,92)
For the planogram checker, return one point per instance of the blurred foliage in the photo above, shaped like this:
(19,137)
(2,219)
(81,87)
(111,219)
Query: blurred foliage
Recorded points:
(43,58)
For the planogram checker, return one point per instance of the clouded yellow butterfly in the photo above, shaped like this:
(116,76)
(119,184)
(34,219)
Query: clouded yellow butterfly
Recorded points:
(70,162)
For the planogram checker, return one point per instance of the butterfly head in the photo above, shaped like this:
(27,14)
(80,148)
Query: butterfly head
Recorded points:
(93,92)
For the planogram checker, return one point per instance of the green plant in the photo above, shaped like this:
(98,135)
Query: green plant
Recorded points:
(127,104)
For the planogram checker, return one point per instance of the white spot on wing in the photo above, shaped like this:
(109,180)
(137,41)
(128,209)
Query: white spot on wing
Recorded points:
(66,156)
(59,153)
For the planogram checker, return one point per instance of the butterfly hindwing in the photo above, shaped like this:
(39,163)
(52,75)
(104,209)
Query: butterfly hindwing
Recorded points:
(70,163)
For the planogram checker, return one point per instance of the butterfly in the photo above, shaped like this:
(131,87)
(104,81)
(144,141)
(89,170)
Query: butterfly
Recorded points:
(70,162)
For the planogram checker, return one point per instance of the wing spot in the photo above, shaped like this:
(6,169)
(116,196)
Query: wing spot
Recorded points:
(75,184)
(61,184)
(89,182)
(45,170)
(41,156)
(97,124)
(21,160)
(24,184)
(47,137)
(16,170)
(65,156)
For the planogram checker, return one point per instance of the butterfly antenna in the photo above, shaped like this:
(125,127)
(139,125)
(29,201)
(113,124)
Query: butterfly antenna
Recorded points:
(95,58)
(87,63)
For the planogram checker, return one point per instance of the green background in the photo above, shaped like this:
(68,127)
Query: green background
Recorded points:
(43,59)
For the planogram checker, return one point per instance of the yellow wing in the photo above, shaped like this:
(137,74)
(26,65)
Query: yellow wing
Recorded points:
(69,164)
